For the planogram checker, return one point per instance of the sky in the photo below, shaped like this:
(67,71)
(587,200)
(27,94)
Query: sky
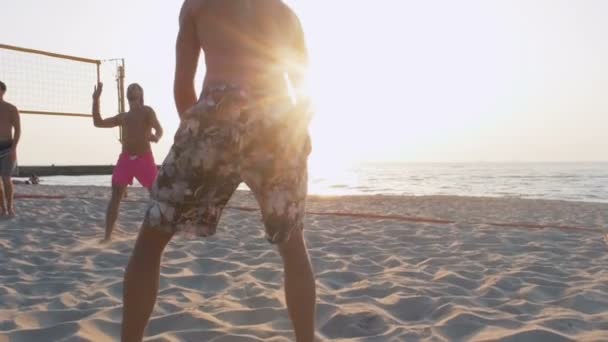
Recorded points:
(391,80)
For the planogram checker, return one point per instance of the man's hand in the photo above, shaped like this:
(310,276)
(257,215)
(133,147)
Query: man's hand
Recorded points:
(97,91)
(13,154)
(154,138)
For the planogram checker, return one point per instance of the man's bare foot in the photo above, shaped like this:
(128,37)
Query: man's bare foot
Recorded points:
(105,240)
(11,213)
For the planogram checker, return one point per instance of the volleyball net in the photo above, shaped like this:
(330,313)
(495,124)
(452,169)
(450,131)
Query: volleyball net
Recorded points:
(53,93)
(48,83)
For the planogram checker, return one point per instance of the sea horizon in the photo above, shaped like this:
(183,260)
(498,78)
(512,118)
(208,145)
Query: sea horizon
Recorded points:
(570,181)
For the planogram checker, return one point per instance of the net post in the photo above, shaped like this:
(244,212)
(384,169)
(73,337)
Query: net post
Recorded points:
(120,80)
(98,71)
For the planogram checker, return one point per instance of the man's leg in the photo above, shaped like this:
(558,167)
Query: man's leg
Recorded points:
(112,212)
(141,282)
(285,186)
(7,183)
(2,201)
(300,288)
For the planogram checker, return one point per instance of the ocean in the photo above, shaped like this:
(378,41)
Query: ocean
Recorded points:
(586,182)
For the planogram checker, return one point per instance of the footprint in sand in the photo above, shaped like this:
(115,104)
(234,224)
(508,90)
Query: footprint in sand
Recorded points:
(351,325)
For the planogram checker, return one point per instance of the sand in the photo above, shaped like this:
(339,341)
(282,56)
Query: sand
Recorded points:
(378,279)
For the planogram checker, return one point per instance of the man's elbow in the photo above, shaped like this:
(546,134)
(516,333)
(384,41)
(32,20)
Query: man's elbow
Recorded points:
(181,90)
(181,102)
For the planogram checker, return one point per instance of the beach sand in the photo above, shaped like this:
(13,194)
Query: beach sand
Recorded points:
(379,279)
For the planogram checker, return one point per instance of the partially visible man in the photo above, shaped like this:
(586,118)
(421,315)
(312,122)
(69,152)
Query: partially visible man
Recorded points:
(10,133)
(243,128)
(136,159)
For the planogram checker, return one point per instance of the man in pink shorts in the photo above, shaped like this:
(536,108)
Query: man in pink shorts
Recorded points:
(136,160)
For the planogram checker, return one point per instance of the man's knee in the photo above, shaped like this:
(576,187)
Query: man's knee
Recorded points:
(118,192)
(150,242)
(7,182)
(279,228)
(293,249)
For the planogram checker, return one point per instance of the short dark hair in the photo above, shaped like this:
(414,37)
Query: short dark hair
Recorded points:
(2,86)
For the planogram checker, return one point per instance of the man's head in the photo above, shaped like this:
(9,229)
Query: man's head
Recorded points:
(2,89)
(135,95)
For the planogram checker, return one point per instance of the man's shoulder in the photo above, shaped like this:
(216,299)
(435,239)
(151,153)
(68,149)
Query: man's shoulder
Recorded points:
(148,109)
(8,104)
(191,7)
(285,6)
(289,17)
(121,116)
(8,107)
(195,6)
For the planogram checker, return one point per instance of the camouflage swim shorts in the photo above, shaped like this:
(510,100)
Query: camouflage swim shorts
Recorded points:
(227,138)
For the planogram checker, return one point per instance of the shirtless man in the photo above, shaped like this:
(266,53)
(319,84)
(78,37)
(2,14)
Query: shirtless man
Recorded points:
(10,133)
(244,127)
(136,159)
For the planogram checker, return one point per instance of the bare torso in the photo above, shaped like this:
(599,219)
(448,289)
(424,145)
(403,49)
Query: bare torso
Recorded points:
(137,130)
(243,41)
(7,115)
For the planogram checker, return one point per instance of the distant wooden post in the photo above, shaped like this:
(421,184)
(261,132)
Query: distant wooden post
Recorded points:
(120,79)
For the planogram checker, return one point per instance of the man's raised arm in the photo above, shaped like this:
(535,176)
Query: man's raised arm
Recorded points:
(97,120)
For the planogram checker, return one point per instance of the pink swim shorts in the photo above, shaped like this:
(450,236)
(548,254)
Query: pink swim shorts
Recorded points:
(142,167)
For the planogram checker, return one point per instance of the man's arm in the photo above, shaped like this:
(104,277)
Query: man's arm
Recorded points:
(158,129)
(16,122)
(97,120)
(187,52)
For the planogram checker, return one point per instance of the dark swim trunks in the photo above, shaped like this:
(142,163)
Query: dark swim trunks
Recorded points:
(230,137)
(7,165)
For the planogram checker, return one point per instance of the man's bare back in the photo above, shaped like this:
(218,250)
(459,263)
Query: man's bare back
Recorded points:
(10,134)
(244,128)
(247,43)
(8,116)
